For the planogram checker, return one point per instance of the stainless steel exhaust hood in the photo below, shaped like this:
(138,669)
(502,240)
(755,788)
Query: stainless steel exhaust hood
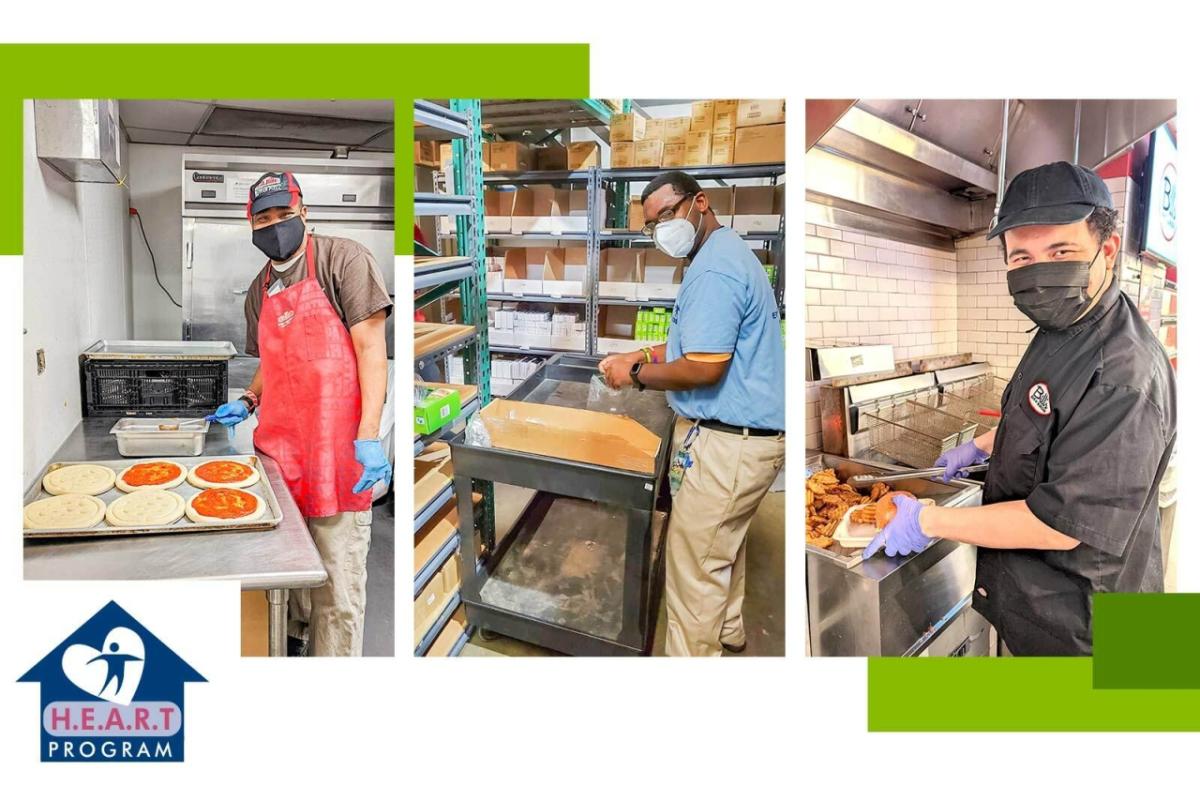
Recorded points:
(925,171)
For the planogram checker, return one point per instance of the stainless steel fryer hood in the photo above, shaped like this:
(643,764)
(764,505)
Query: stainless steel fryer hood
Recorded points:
(927,171)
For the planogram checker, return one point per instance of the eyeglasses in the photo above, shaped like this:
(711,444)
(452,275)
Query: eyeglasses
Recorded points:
(665,216)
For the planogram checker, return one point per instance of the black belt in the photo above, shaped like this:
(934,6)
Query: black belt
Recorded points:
(717,425)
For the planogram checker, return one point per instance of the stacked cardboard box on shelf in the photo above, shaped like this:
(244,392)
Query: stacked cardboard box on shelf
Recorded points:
(717,132)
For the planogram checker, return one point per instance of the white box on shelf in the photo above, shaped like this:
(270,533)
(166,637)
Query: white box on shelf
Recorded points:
(620,272)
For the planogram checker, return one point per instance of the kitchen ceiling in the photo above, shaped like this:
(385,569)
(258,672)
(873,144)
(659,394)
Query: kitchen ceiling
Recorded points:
(321,125)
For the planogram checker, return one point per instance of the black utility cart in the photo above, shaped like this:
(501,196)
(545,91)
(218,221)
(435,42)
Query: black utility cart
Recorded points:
(581,570)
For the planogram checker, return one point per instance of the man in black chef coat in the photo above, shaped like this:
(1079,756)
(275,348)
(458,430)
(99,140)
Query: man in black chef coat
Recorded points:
(1086,431)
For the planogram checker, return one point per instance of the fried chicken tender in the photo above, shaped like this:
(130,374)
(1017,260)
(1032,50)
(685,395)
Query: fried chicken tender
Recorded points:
(827,500)
(878,490)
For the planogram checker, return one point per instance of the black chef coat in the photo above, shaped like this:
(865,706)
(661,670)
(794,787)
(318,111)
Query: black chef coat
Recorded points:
(1086,430)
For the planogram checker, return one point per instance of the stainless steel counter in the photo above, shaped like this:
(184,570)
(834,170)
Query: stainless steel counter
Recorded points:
(890,606)
(274,560)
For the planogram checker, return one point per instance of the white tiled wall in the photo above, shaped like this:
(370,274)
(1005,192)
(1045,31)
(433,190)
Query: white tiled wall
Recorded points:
(989,325)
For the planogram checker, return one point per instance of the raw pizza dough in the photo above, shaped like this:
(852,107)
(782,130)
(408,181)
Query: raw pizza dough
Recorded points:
(146,507)
(196,517)
(79,479)
(72,510)
(165,485)
(196,481)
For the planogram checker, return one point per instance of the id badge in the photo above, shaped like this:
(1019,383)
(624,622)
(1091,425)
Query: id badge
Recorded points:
(682,460)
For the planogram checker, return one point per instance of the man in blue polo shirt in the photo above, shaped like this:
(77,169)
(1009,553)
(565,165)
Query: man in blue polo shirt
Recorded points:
(722,368)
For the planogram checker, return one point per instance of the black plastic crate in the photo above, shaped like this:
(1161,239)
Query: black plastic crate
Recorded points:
(148,388)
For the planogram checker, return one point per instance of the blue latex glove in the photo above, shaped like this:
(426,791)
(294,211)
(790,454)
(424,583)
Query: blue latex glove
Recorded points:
(903,535)
(376,467)
(229,414)
(958,457)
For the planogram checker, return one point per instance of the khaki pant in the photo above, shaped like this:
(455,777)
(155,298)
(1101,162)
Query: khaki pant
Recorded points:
(706,540)
(331,616)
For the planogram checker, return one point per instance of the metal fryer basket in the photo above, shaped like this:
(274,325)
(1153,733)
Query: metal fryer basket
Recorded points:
(974,398)
(914,434)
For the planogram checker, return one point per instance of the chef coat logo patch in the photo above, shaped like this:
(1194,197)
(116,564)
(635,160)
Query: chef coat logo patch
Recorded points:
(112,692)
(1039,398)
(284,319)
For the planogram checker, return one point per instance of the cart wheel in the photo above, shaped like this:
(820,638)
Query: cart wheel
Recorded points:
(487,635)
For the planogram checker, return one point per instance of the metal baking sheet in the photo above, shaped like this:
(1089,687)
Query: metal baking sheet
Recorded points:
(160,349)
(272,518)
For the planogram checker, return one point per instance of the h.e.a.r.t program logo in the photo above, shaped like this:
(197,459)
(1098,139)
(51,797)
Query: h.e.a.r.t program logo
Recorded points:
(112,692)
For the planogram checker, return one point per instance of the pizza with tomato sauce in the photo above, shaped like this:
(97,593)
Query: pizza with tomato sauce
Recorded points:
(223,473)
(151,475)
(225,505)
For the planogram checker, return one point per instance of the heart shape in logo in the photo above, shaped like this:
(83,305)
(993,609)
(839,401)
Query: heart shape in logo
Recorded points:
(112,672)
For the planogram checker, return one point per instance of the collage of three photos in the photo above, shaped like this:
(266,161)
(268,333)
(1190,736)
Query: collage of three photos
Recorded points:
(599,335)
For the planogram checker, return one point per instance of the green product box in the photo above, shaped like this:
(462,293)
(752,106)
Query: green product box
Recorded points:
(435,410)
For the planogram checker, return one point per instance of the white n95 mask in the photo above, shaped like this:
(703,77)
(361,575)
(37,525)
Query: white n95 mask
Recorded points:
(675,237)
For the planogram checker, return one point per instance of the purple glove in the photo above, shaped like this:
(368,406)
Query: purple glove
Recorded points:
(958,457)
(903,535)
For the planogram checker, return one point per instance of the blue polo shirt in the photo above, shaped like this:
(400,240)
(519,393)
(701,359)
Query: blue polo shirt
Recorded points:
(726,305)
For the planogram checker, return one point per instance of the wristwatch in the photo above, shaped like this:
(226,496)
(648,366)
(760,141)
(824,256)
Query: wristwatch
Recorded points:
(633,374)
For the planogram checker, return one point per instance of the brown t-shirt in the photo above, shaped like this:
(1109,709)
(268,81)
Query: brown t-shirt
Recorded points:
(346,272)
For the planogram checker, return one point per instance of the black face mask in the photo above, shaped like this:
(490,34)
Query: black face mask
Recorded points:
(1051,293)
(281,239)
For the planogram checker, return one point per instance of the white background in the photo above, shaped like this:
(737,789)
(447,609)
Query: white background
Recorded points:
(792,727)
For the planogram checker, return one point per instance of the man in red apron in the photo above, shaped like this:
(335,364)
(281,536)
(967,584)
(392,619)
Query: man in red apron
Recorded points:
(315,317)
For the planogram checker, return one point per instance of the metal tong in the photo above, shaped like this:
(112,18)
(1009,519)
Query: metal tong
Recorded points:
(929,472)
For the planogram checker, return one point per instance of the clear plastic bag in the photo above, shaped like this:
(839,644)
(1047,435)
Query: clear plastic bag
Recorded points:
(603,398)
(477,433)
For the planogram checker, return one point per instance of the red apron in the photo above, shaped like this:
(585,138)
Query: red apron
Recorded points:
(311,403)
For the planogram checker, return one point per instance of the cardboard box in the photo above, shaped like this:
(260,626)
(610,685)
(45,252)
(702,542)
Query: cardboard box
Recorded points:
(551,157)
(697,149)
(549,213)
(498,210)
(720,200)
(446,155)
(636,218)
(564,272)
(623,154)
(725,114)
(702,115)
(675,129)
(439,407)
(656,128)
(673,153)
(616,322)
(627,128)
(509,157)
(722,148)
(648,153)
(521,209)
(523,271)
(757,208)
(762,144)
(661,276)
(759,112)
(620,272)
(581,155)
(433,599)
(577,435)
(579,206)
(426,153)
(486,154)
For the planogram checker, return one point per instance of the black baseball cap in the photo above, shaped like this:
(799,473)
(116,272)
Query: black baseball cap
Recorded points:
(273,190)
(1052,194)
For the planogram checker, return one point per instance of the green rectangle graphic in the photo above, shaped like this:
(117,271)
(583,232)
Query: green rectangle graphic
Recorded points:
(1146,641)
(343,71)
(1015,694)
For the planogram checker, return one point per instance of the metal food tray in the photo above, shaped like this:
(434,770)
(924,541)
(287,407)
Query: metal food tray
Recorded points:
(141,436)
(954,493)
(272,518)
(160,350)
(914,434)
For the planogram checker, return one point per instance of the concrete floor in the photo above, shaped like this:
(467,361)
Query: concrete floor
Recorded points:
(763,608)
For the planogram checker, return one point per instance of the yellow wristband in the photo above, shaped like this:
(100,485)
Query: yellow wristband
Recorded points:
(649,355)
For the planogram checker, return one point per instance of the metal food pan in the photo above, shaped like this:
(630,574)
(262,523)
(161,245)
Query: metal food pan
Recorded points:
(944,493)
(160,350)
(272,518)
(142,436)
